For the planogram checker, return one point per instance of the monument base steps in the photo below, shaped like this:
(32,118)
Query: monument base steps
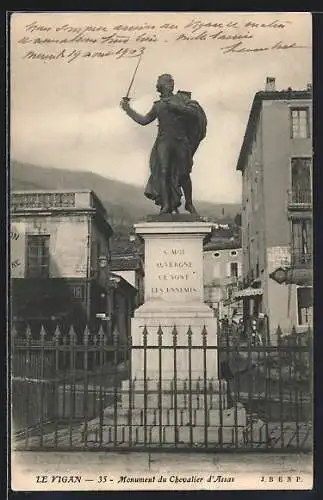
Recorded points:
(199,417)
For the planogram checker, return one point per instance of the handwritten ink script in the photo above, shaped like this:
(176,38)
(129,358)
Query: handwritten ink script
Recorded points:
(70,43)
(15,236)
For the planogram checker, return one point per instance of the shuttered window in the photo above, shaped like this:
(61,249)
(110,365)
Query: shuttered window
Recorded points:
(37,256)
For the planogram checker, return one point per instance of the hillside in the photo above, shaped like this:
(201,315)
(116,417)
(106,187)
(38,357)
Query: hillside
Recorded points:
(123,201)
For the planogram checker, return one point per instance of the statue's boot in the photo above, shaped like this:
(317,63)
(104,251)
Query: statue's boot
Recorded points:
(165,209)
(190,208)
(187,188)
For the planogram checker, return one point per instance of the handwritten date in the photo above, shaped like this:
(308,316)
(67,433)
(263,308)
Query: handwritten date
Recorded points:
(72,55)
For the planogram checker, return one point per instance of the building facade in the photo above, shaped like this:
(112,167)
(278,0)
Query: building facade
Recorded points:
(222,269)
(131,268)
(57,238)
(276,165)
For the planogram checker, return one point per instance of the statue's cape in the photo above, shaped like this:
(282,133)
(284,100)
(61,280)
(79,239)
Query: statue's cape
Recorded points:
(196,125)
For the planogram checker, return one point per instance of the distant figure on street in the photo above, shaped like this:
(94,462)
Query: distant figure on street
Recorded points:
(256,338)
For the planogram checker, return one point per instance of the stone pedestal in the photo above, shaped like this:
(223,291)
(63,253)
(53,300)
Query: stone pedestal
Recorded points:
(174,296)
(175,390)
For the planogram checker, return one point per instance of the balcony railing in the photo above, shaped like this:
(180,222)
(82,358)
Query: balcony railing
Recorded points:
(301,259)
(42,200)
(300,199)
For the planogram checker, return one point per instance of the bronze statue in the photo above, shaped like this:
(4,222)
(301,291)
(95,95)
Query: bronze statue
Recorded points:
(181,127)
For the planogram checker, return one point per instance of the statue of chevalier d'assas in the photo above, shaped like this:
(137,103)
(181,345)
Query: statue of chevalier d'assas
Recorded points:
(181,127)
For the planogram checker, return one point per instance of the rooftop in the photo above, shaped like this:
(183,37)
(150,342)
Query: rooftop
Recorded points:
(222,244)
(119,280)
(265,95)
(125,262)
(122,245)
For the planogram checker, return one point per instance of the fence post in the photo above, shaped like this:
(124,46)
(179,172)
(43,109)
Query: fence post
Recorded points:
(204,344)
(42,381)
(102,338)
(15,362)
(174,335)
(56,408)
(145,335)
(28,373)
(86,385)
(115,337)
(268,341)
(130,401)
(280,383)
(297,368)
(190,408)
(72,398)
(160,382)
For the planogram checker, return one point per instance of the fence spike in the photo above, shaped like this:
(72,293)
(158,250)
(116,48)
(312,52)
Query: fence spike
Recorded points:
(101,334)
(174,335)
(14,332)
(86,335)
(174,331)
(28,333)
(57,334)
(72,334)
(115,334)
(279,333)
(42,334)
(144,336)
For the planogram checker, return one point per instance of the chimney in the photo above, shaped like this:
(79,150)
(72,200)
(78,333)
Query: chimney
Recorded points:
(270,84)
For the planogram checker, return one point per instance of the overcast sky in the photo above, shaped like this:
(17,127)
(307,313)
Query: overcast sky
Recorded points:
(67,115)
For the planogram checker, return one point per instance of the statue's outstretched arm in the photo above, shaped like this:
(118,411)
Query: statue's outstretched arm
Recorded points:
(137,117)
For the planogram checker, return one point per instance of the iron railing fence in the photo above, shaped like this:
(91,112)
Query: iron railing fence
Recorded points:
(84,394)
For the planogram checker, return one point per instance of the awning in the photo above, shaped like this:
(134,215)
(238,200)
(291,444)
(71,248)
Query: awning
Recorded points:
(248,292)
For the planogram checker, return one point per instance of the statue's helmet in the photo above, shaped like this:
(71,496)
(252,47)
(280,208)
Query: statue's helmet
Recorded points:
(166,80)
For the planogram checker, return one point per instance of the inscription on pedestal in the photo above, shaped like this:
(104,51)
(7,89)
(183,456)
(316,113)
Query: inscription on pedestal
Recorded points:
(173,270)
